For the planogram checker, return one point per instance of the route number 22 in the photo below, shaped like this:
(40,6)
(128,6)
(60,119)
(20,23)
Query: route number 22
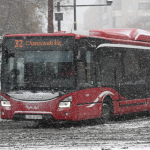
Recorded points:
(19,43)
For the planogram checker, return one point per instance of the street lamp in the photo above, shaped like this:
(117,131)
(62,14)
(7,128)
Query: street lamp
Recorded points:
(58,16)
(109,2)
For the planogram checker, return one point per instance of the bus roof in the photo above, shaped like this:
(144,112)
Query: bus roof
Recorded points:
(122,34)
(109,34)
(60,33)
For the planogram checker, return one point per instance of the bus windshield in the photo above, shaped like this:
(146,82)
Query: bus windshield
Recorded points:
(33,64)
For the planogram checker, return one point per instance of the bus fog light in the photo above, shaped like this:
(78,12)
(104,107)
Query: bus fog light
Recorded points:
(3,113)
(67,114)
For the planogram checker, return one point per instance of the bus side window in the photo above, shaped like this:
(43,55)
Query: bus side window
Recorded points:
(119,67)
(148,70)
(89,67)
(131,67)
(108,71)
(109,68)
(98,75)
(81,72)
(85,69)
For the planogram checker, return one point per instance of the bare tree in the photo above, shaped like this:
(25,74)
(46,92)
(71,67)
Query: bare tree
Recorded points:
(25,16)
(17,17)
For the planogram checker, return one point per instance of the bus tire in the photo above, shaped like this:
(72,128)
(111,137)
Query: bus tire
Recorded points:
(106,113)
(148,112)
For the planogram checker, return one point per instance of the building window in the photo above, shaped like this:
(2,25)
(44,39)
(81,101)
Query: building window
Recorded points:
(104,9)
(114,22)
(105,22)
(144,19)
(130,19)
(143,6)
(117,5)
(130,7)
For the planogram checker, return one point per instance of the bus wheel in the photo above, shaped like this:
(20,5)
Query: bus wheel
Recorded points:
(106,110)
(148,112)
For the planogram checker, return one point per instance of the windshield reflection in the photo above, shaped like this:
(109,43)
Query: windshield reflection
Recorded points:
(40,70)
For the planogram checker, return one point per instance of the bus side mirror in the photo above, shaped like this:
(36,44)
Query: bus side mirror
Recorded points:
(81,54)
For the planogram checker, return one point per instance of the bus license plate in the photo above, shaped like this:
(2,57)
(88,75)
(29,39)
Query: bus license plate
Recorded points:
(33,116)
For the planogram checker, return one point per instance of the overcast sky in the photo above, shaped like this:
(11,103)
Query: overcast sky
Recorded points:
(81,10)
(67,23)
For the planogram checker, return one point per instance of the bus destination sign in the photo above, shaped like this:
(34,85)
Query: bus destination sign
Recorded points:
(40,43)
(20,43)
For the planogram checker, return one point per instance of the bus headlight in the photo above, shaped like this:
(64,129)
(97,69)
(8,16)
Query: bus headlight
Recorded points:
(5,102)
(65,103)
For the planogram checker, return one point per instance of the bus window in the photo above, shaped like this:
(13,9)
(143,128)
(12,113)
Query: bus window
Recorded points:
(85,69)
(135,66)
(11,63)
(20,68)
(40,70)
(89,67)
(52,70)
(28,71)
(81,72)
(10,67)
(133,85)
(108,68)
(131,67)
(65,70)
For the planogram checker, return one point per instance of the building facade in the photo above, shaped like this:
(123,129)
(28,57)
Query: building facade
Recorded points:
(122,14)
(92,17)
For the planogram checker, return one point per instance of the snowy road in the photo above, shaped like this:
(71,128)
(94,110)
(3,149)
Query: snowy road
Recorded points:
(126,134)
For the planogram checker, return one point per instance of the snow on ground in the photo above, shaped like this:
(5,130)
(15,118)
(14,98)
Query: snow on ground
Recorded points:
(77,148)
(132,134)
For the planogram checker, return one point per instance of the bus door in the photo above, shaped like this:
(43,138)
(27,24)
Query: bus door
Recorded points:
(133,83)
(85,79)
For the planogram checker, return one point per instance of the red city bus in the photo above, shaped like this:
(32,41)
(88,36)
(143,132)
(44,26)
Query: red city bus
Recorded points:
(67,76)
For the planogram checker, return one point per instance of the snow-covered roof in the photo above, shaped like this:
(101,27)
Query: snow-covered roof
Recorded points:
(124,34)
(121,34)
